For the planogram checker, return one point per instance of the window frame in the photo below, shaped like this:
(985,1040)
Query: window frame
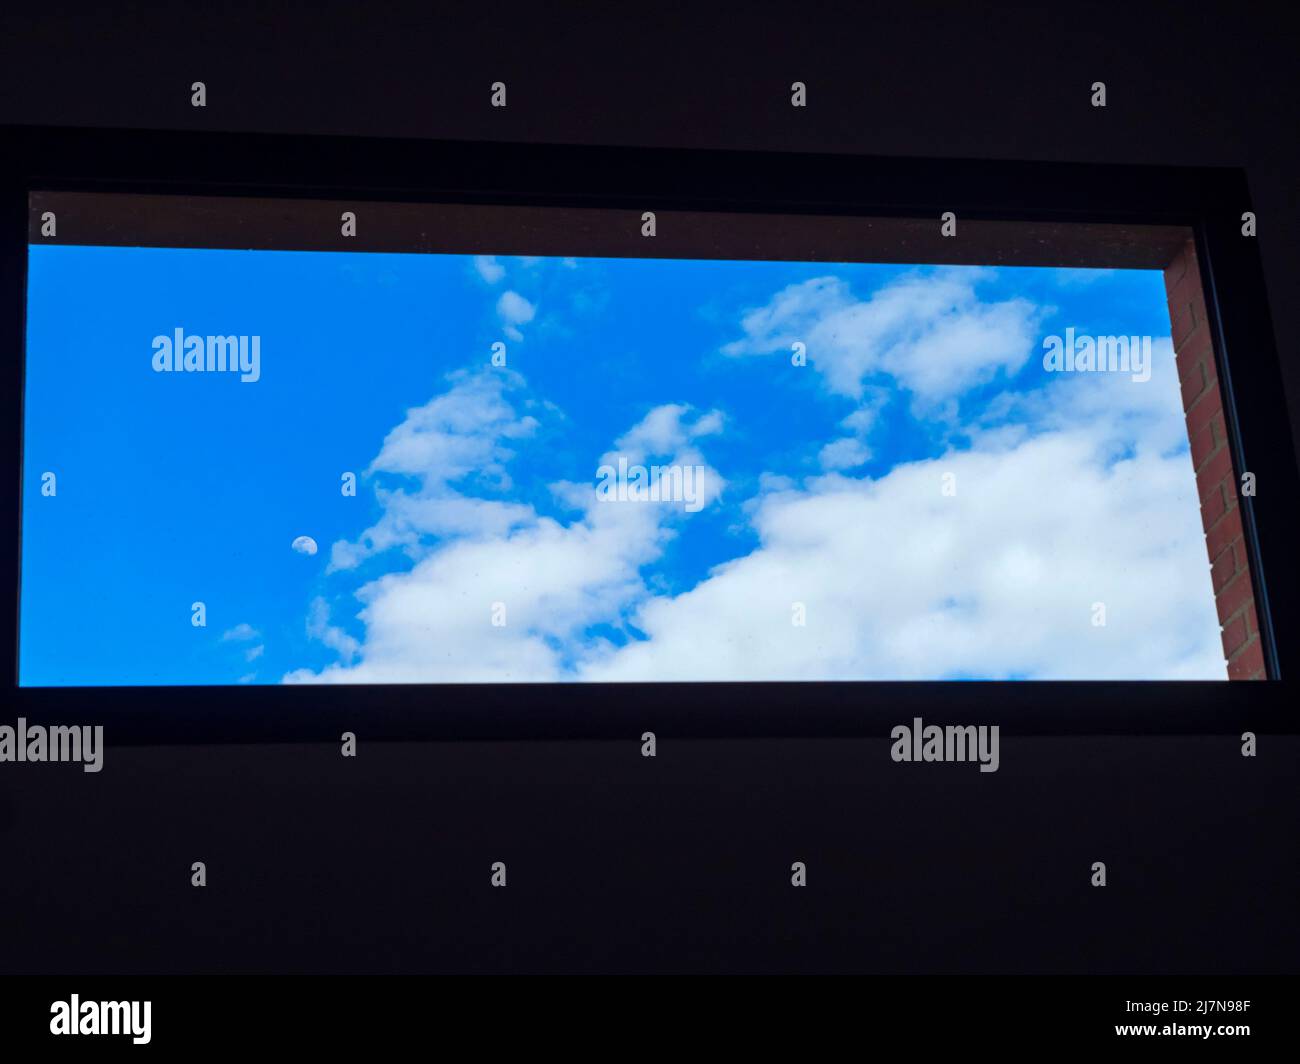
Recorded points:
(1210,202)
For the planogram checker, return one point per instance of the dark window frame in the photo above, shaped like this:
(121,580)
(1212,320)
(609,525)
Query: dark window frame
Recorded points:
(1208,201)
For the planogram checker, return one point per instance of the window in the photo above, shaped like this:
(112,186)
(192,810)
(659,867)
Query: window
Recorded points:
(458,466)
(798,356)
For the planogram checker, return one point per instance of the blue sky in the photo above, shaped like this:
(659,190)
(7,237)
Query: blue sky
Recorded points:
(182,487)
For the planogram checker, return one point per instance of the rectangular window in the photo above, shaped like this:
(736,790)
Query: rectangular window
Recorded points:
(296,442)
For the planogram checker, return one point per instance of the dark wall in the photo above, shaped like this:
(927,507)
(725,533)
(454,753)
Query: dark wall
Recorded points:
(682,862)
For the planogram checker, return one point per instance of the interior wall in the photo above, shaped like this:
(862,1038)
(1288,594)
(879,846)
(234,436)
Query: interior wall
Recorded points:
(680,863)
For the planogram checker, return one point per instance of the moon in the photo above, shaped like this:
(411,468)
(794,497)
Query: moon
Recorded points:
(304,545)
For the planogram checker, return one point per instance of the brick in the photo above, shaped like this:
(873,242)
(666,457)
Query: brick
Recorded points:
(1198,350)
(1181,322)
(1212,382)
(1213,505)
(1203,411)
(1177,269)
(1223,533)
(1239,552)
(1223,569)
(1203,446)
(1211,376)
(1185,292)
(1175,272)
(1235,634)
(1220,428)
(1248,664)
(1216,470)
(1193,385)
(1201,379)
(1211,456)
(1234,596)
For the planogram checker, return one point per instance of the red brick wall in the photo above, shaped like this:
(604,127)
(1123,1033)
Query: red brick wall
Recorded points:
(1216,482)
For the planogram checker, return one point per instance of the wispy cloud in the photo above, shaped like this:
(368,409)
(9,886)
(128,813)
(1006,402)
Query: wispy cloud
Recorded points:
(488,268)
(240,633)
(1062,488)
(930,332)
(514,310)
(556,580)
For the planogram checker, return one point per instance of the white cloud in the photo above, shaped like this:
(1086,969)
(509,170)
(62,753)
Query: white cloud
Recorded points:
(664,432)
(900,581)
(245,633)
(931,333)
(432,623)
(320,629)
(1080,492)
(459,437)
(846,453)
(514,310)
(488,268)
